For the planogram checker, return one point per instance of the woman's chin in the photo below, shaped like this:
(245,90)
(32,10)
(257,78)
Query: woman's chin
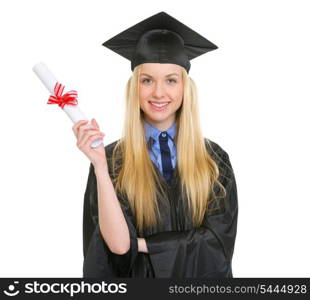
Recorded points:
(157,119)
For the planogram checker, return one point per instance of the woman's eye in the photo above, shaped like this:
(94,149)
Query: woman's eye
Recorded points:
(172,80)
(146,80)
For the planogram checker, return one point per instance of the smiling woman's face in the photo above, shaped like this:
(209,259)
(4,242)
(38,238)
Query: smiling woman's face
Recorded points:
(161,93)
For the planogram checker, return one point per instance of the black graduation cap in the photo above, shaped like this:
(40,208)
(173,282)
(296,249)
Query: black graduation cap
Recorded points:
(159,39)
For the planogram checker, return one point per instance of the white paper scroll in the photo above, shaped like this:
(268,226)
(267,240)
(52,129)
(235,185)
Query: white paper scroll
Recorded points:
(73,111)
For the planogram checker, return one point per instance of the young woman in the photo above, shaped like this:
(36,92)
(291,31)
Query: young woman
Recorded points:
(162,200)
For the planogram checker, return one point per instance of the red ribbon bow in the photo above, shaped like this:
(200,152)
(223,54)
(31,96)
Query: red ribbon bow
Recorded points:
(69,98)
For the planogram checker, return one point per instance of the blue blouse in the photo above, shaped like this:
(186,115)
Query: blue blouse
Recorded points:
(154,148)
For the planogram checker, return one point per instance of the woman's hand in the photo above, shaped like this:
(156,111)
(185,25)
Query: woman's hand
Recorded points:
(86,134)
(142,247)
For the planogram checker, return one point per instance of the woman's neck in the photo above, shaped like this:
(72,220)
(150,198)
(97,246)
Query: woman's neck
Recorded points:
(162,126)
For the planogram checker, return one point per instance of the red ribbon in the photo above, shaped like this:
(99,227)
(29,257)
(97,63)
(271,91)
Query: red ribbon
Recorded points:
(69,98)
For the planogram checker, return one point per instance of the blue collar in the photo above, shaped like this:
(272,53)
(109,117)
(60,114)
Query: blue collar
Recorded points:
(151,131)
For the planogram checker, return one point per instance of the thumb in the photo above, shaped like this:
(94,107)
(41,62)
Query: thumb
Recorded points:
(94,122)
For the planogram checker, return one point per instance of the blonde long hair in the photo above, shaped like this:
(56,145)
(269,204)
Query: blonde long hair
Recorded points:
(137,177)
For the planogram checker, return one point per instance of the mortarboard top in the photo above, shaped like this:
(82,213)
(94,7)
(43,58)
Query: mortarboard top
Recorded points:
(160,39)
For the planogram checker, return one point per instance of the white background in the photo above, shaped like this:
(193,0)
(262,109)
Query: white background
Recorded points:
(254,101)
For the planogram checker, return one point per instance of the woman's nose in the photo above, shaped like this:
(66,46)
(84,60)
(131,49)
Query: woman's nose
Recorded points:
(158,90)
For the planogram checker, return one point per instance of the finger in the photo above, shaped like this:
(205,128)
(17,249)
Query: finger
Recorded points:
(84,135)
(84,128)
(86,141)
(93,138)
(79,123)
(83,139)
(76,126)
(95,123)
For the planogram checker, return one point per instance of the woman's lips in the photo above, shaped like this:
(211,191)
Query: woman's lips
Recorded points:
(159,108)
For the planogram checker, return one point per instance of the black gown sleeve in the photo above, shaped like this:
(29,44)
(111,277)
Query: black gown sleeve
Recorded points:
(199,252)
(99,261)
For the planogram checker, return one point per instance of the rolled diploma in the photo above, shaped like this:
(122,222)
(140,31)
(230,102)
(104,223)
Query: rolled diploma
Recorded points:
(73,111)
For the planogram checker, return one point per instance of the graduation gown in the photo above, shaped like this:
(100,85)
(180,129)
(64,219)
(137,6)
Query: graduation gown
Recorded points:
(175,248)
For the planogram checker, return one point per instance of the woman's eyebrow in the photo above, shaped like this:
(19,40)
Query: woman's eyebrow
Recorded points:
(165,76)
